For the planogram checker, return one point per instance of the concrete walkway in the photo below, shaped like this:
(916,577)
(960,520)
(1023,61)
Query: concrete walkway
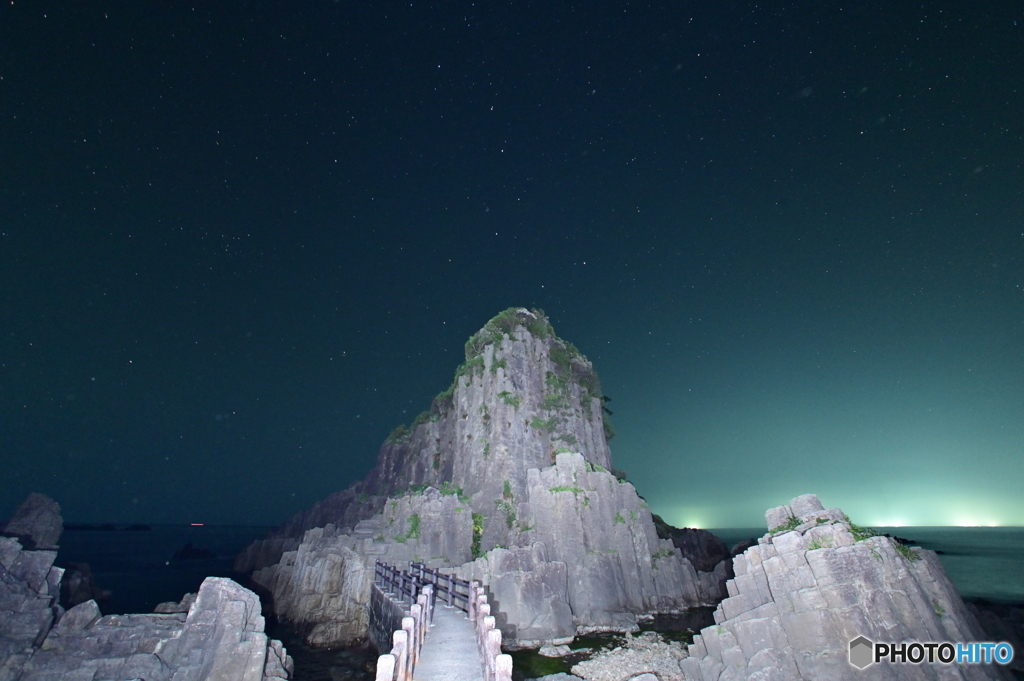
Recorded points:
(450,651)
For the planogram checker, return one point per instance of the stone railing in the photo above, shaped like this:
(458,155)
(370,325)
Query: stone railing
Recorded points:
(497,666)
(398,665)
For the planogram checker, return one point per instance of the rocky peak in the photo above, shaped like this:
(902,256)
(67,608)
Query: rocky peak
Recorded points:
(521,396)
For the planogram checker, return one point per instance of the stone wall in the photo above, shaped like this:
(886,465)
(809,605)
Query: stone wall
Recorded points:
(385,615)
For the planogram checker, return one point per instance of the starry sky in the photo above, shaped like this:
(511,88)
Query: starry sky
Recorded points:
(241,241)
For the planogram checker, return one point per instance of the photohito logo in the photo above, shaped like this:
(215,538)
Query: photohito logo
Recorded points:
(863,652)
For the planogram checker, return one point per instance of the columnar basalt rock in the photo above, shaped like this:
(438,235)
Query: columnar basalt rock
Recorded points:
(514,461)
(580,521)
(322,588)
(816,582)
(521,395)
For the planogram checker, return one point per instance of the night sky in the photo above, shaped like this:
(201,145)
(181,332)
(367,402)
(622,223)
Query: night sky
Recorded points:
(240,242)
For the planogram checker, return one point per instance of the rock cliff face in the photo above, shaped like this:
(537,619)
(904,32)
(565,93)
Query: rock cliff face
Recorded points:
(521,395)
(506,478)
(816,583)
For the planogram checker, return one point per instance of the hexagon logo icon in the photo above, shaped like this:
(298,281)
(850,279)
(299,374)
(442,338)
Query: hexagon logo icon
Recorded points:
(861,652)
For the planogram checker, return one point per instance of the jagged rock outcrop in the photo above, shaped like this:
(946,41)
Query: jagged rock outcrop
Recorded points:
(29,589)
(221,637)
(816,582)
(702,548)
(37,524)
(514,460)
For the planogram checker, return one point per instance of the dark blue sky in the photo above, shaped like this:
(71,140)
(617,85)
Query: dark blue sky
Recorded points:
(240,242)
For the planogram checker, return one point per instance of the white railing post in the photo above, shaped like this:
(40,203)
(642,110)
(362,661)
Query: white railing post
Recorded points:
(401,653)
(409,626)
(503,668)
(385,668)
(473,586)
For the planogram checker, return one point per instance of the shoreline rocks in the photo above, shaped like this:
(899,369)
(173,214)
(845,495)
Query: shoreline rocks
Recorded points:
(645,654)
(814,583)
(216,634)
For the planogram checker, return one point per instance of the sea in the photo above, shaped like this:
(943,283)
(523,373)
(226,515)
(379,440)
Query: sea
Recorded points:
(137,565)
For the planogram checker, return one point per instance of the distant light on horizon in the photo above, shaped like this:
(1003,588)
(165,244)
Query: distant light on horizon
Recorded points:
(936,508)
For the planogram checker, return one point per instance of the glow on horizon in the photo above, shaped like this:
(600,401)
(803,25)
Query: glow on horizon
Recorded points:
(911,510)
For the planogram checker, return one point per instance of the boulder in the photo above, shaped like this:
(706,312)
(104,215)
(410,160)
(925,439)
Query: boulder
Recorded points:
(37,523)
(645,657)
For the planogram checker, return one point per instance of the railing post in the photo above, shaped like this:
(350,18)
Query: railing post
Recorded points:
(401,652)
(409,626)
(473,586)
(427,602)
(385,668)
(503,668)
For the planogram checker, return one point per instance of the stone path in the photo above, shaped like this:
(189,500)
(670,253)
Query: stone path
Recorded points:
(450,651)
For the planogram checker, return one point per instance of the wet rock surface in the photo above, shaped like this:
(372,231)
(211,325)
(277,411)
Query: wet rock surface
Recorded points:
(646,653)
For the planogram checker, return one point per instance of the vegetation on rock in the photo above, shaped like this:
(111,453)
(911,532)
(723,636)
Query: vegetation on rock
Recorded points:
(569,362)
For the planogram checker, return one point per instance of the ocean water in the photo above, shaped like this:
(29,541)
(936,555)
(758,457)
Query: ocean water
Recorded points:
(137,566)
(982,562)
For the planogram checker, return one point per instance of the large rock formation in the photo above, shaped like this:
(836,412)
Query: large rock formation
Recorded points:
(505,478)
(815,583)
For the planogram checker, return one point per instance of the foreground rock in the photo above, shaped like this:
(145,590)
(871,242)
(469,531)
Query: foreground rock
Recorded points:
(29,589)
(221,637)
(647,653)
(818,582)
(505,480)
